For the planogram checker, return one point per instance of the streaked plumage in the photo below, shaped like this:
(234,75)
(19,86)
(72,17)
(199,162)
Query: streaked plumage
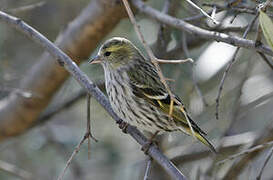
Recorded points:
(136,93)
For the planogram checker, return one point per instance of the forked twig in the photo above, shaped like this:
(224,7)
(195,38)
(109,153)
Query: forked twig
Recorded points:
(88,135)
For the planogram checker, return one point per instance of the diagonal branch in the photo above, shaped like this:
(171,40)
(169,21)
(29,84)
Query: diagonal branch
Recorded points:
(91,88)
(202,33)
(18,114)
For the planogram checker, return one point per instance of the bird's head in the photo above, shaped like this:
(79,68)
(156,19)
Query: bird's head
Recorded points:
(115,53)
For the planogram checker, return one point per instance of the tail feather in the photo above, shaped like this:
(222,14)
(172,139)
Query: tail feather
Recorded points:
(201,138)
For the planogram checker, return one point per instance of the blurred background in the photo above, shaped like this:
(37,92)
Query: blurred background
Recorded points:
(245,110)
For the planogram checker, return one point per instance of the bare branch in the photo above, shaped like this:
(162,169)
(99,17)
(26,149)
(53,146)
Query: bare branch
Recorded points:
(18,114)
(263,56)
(245,109)
(228,144)
(148,169)
(238,9)
(264,136)
(202,11)
(175,61)
(11,169)
(206,34)
(247,151)
(91,88)
(67,103)
(233,59)
(26,8)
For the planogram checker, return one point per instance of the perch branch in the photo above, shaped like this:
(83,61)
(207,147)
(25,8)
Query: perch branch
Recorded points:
(45,77)
(91,88)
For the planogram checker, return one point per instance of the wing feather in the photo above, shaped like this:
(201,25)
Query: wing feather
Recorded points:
(147,85)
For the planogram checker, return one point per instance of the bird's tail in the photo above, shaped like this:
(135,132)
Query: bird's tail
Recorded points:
(204,140)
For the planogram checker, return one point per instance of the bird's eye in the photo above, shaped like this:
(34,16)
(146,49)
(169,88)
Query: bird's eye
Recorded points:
(107,53)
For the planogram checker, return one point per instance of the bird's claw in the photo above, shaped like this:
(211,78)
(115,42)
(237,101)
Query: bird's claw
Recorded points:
(145,148)
(123,126)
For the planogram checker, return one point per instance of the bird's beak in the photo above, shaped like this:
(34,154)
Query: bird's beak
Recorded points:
(95,60)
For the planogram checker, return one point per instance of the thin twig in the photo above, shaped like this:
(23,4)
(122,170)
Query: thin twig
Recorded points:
(26,8)
(12,169)
(249,107)
(258,39)
(21,92)
(76,150)
(88,135)
(185,45)
(175,61)
(263,136)
(155,62)
(84,81)
(164,33)
(263,56)
(196,86)
(238,9)
(148,169)
(233,59)
(202,11)
(147,48)
(196,17)
(187,54)
(52,111)
(268,156)
(60,147)
(88,125)
(68,102)
(247,151)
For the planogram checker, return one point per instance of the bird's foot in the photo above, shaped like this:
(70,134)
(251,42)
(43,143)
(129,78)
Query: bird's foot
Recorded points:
(123,126)
(145,148)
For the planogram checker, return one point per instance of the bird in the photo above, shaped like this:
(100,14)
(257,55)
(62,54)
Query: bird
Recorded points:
(137,94)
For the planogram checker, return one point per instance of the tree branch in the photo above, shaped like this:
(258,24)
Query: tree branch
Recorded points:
(194,30)
(91,88)
(51,111)
(12,169)
(17,114)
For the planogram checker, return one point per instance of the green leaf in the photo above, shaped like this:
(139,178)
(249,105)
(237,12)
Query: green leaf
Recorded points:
(267,28)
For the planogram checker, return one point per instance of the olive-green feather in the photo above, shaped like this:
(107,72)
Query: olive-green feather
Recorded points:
(153,91)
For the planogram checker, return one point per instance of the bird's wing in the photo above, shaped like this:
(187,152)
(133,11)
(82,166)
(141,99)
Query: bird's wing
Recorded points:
(146,84)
